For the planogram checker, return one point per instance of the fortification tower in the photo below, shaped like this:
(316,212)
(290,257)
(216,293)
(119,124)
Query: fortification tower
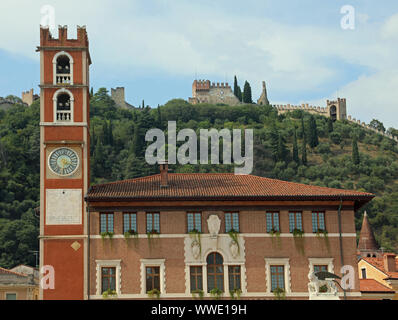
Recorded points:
(118,96)
(65,158)
(337,110)
(263,98)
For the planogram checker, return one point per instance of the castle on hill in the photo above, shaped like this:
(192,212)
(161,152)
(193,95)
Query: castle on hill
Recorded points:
(204,91)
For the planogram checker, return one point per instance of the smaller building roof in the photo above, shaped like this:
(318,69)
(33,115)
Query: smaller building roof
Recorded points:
(6,271)
(378,263)
(373,286)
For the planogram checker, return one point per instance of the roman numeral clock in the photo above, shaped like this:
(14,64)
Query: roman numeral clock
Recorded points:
(65,158)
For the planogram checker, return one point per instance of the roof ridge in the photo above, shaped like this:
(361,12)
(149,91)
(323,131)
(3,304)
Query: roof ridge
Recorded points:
(13,272)
(124,181)
(232,174)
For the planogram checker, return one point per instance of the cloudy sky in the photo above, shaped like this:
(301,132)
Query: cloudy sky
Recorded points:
(156,48)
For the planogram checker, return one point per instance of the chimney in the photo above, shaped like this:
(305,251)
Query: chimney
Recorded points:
(389,262)
(164,179)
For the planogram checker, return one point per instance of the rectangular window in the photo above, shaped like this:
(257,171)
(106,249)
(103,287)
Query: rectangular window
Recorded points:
(318,221)
(272,221)
(11,296)
(277,277)
(234,277)
(295,221)
(196,278)
(363,273)
(194,222)
(231,221)
(108,279)
(152,278)
(318,268)
(129,222)
(106,222)
(152,222)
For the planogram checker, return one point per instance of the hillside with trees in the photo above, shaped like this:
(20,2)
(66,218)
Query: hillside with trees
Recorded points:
(295,146)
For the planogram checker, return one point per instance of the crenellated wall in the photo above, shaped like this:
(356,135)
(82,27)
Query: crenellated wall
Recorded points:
(366,126)
(326,112)
(304,107)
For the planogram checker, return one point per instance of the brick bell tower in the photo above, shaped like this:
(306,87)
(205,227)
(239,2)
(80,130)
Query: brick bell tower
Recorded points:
(65,158)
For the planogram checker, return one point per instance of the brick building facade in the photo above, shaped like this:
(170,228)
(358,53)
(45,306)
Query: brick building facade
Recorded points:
(253,259)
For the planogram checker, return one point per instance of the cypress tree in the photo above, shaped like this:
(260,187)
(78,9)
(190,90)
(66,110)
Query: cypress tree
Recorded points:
(247,93)
(105,133)
(274,141)
(92,141)
(239,96)
(282,151)
(98,160)
(295,148)
(110,133)
(236,93)
(135,146)
(355,152)
(303,145)
(330,125)
(159,117)
(313,140)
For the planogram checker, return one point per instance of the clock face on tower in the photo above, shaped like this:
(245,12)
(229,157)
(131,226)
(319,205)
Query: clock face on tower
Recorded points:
(63,161)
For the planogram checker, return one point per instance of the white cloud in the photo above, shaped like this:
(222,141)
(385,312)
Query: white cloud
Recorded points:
(184,38)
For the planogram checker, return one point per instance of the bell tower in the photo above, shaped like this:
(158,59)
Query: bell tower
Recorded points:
(65,158)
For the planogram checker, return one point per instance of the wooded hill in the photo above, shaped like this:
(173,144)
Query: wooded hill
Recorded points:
(295,146)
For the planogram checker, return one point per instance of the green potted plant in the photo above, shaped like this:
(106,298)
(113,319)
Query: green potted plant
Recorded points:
(279,294)
(198,294)
(150,235)
(131,233)
(235,294)
(109,294)
(105,235)
(216,293)
(235,237)
(275,234)
(323,289)
(298,236)
(154,293)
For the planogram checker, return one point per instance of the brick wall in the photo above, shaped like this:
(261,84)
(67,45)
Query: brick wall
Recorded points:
(258,246)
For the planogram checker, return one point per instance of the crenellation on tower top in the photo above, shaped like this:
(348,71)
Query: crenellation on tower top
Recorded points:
(47,39)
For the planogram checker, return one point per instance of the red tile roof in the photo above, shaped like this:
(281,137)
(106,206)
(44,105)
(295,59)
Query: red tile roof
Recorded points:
(379,264)
(218,186)
(5,271)
(372,286)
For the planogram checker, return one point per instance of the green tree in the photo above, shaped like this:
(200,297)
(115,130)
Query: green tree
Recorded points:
(313,140)
(304,160)
(330,125)
(355,152)
(295,148)
(236,87)
(247,93)
(378,125)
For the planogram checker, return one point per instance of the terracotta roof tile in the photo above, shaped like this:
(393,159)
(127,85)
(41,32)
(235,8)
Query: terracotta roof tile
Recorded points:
(5,271)
(371,285)
(379,264)
(215,186)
